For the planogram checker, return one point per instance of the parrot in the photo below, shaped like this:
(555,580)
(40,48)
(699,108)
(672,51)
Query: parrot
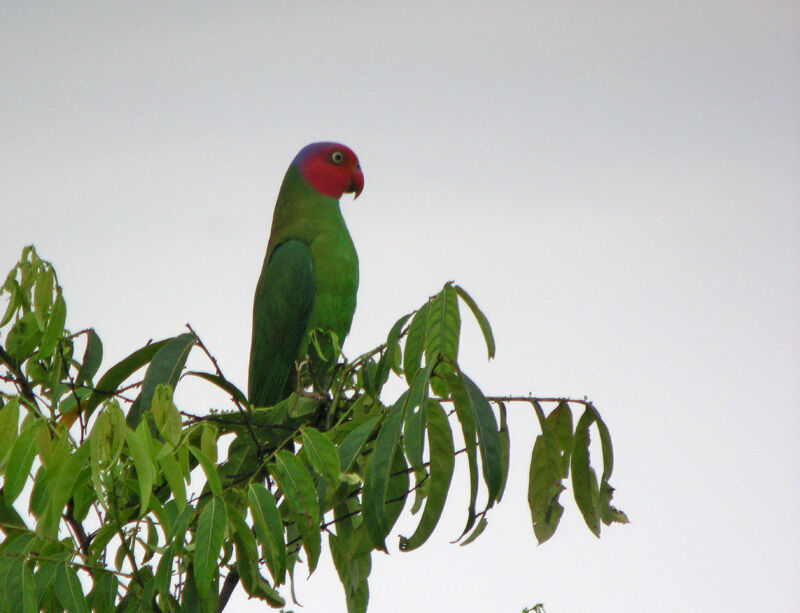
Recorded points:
(309,278)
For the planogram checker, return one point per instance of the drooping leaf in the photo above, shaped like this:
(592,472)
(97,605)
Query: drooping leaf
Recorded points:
(9,424)
(584,479)
(297,486)
(486,329)
(145,471)
(488,437)
(92,358)
(164,368)
(322,455)
(482,523)
(172,473)
(560,421)
(210,469)
(351,446)
(225,385)
(61,490)
(208,542)
(465,417)
(68,589)
(544,486)
(269,529)
(20,460)
(165,414)
(442,461)
(378,471)
(505,448)
(104,592)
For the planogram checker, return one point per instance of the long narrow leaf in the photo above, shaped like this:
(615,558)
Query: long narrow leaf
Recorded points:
(442,461)
(118,373)
(486,329)
(269,529)
(20,460)
(584,479)
(298,488)
(68,589)
(378,470)
(208,542)
(145,471)
(165,367)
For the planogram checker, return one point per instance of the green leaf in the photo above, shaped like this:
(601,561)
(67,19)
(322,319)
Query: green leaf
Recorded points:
(208,441)
(392,346)
(104,592)
(55,326)
(165,414)
(118,373)
(20,460)
(92,358)
(444,326)
(43,297)
(488,438)
(351,446)
(269,529)
(560,420)
(544,486)
(165,367)
(378,470)
(208,542)
(505,448)
(322,455)
(584,479)
(28,590)
(9,425)
(465,417)
(172,473)
(23,337)
(486,329)
(68,589)
(415,342)
(61,490)
(297,486)
(145,471)
(442,462)
(396,490)
(225,385)
(482,523)
(209,469)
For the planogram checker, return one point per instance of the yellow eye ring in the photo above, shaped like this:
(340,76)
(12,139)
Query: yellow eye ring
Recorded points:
(337,157)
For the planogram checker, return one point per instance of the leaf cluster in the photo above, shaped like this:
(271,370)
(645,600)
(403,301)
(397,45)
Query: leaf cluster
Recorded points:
(128,503)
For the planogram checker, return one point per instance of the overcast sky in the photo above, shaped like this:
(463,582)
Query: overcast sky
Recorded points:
(618,188)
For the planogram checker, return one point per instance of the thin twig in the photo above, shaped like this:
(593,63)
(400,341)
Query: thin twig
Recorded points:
(245,414)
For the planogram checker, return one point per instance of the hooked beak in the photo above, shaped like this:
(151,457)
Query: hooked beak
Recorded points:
(356,183)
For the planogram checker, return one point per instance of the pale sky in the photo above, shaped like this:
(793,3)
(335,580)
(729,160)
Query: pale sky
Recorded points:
(618,188)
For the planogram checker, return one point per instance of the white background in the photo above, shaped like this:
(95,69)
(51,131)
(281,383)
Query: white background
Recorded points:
(618,187)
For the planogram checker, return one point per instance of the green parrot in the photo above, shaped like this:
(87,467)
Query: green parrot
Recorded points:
(310,274)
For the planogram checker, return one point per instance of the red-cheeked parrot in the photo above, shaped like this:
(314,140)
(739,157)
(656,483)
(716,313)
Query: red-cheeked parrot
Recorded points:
(310,274)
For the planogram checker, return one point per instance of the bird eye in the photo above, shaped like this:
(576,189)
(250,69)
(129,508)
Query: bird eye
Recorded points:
(337,157)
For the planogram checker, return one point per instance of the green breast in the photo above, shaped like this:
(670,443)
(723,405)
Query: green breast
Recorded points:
(302,213)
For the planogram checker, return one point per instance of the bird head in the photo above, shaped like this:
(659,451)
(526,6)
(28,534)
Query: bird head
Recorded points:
(332,169)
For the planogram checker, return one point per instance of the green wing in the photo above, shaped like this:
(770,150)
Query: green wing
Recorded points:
(281,309)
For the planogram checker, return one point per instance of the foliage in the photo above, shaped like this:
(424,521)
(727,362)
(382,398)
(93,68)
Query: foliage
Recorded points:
(113,499)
